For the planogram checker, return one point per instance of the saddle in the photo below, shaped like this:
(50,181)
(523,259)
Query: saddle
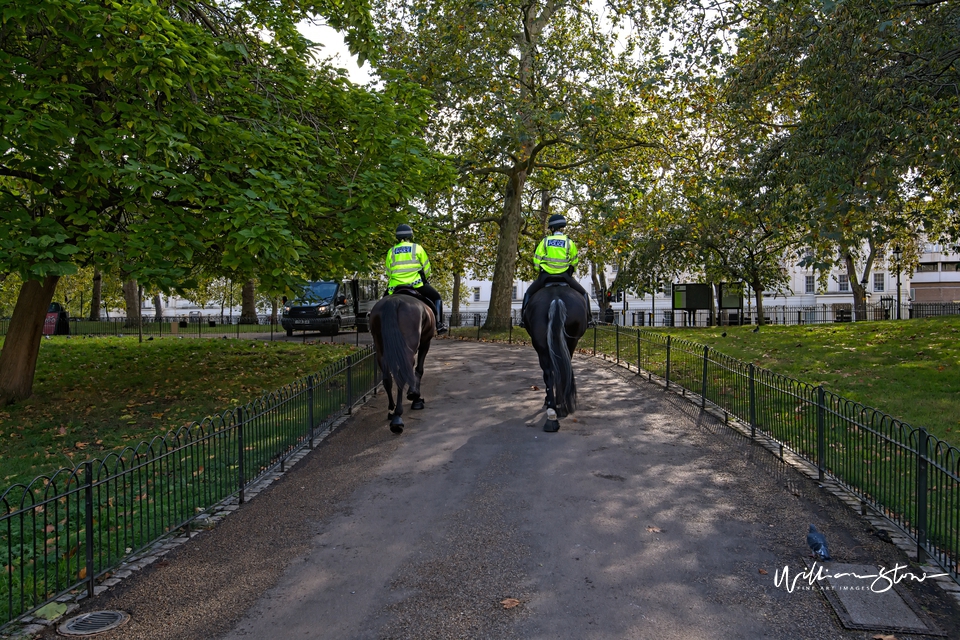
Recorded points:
(407,290)
(558,280)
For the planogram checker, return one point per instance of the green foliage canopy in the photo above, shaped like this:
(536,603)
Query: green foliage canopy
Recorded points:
(148,137)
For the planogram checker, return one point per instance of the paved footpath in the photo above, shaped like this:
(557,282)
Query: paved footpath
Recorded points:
(641,518)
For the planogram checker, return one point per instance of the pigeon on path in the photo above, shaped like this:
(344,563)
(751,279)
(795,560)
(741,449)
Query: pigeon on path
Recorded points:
(818,544)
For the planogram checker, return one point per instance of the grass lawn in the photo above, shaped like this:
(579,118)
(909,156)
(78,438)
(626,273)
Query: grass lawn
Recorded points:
(96,395)
(909,369)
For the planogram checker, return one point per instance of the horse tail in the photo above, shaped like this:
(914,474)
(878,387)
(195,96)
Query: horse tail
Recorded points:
(564,384)
(396,359)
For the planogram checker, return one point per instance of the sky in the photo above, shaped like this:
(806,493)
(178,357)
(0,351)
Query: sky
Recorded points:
(335,48)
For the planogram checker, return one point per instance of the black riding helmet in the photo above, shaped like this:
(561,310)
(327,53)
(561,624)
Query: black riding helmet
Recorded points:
(556,221)
(404,232)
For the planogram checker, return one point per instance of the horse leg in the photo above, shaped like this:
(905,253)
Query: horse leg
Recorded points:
(549,402)
(388,387)
(396,421)
(414,394)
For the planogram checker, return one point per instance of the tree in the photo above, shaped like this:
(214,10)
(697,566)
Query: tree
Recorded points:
(147,137)
(522,90)
(248,303)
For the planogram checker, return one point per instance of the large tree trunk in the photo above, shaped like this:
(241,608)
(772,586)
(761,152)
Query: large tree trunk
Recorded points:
(498,314)
(758,294)
(18,359)
(96,300)
(248,303)
(158,307)
(131,296)
(858,289)
(274,308)
(455,305)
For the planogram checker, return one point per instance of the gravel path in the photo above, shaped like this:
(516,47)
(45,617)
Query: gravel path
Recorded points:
(641,518)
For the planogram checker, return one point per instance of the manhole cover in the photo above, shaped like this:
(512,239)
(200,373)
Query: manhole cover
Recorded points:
(94,622)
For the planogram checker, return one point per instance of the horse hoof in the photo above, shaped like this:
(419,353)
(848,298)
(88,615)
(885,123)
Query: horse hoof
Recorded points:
(551,426)
(417,404)
(412,396)
(396,425)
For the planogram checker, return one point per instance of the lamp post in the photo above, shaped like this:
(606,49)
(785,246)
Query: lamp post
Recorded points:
(897,254)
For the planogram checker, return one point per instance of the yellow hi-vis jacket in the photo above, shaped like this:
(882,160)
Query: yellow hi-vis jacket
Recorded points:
(556,254)
(404,263)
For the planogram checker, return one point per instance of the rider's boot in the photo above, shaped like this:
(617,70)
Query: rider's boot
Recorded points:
(441,325)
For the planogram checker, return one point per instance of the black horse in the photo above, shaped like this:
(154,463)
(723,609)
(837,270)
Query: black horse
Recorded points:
(556,319)
(402,327)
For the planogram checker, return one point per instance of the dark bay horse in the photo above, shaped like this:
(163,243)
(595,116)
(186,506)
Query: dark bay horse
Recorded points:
(402,327)
(556,319)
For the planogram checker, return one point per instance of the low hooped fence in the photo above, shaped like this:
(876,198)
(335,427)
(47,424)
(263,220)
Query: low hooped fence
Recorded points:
(64,532)
(904,473)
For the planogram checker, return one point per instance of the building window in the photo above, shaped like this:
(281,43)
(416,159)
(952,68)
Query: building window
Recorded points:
(951,266)
(810,284)
(843,281)
(513,293)
(476,294)
(614,268)
(878,282)
(926,267)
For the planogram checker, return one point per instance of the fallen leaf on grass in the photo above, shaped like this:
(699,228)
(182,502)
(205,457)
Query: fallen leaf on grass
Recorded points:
(535,388)
(51,611)
(509,603)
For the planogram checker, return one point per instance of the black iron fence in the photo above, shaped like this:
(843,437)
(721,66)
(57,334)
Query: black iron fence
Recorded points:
(193,325)
(902,472)
(63,532)
(785,315)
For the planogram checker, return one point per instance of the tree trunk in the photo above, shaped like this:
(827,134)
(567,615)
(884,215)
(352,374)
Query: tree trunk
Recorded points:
(158,307)
(859,291)
(498,314)
(274,308)
(18,359)
(455,305)
(131,296)
(758,294)
(248,303)
(96,300)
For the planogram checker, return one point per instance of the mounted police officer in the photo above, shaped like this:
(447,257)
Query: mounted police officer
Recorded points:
(556,255)
(408,265)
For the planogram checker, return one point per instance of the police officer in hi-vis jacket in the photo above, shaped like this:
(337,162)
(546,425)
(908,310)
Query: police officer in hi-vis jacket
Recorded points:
(556,255)
(408,264)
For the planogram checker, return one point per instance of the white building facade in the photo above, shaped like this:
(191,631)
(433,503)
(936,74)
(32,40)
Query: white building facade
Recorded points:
(936,279)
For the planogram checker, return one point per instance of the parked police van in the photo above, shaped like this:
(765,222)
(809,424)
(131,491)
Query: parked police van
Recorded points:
(327,306)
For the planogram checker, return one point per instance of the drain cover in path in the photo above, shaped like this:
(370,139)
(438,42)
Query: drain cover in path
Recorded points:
(89,624)
(863,600)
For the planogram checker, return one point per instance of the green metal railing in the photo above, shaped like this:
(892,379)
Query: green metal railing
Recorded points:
(63,532)
(902,472)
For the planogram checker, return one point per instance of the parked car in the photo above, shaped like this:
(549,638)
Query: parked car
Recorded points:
(328,306)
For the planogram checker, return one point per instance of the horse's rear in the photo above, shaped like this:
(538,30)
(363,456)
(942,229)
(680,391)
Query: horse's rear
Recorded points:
(556,319)
(401,327)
